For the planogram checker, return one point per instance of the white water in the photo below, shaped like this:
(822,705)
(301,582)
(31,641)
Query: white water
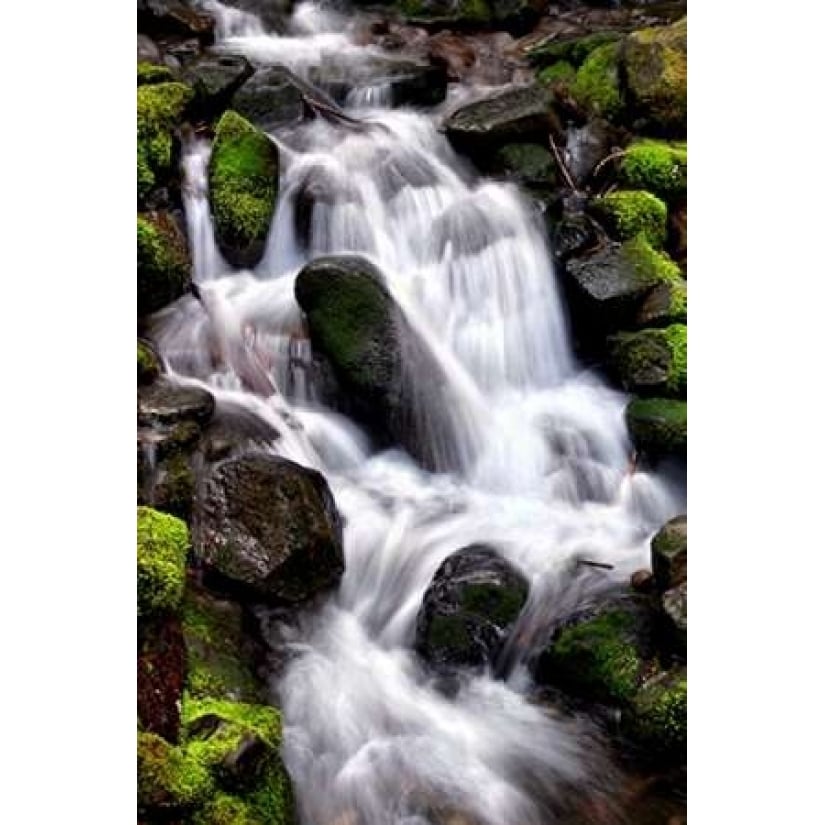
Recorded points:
(542,474)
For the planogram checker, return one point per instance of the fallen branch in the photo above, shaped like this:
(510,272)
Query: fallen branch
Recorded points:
(599,564)
(561,164)
(612,156)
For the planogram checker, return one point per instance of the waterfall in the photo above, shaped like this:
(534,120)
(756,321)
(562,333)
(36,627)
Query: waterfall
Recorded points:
(369,738)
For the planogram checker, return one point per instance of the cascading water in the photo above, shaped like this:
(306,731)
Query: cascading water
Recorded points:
(369,738)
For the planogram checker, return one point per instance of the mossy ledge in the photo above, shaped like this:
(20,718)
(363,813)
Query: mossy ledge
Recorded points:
(162,545)
(657,167)
(658,426)
(652,361)
(243,187)
(162,261)
(597,86)
(628,213)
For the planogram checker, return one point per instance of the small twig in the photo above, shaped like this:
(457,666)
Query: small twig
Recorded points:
(612,156)
(599,564)
(561,164)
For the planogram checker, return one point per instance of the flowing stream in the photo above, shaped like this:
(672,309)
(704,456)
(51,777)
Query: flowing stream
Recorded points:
(535,456)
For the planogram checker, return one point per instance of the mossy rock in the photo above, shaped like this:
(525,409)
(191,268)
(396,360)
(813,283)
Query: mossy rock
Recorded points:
(669,554)
(658,426)
(170,780)
(665,304)
(655,66)
(628,213)
(162,262)
(160,109)
(149,73)
(174,488)
(602,656)
(597,85)
(560,74)
(243,187)
(530,164)
(651,362)
(222,652)
(674,613)
(571,49)
(162,544)
(466,13)
(148,366)
(656,166)
(657,717)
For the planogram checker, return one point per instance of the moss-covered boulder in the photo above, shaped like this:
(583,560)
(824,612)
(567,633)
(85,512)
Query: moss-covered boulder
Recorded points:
(269,99)
(628,213)
(674,612)
(658,426)
(655,67)
(162,544)
(572,49)
(597,86)
(222,648)
(658,714)
(669,554)
(521,113)
(651,362)
(148,366)
(170,781)
(149,73)
(268,529)
(611,286)
(469,608)
(175,19)
(529,164)
(168,403)
(215,79)
(162,262)
(655,166)
(452,13)
(558,76)
(243,187)
(160,110)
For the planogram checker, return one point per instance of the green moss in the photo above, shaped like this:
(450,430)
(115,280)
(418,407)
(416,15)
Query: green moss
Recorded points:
(529,163)
(500,605)
(463,11)
(162,544)
(162,261)
(652,361)
(597,82)
(651,266)
(658,426)
(630,213)
(658,716)
(598,659)
(656,166)
(175,488)
(169,778)
(160,107)
(573,50)
(448,632)
(148,73)
(243,181)
(226,809)
(676,335)
(561,73)
(148,367)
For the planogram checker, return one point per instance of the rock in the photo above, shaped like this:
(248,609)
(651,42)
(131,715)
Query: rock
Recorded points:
(655,65)
(162,262)
(674,607)
(147,50)
(148,366)
(149,73)
(517,16)
(268,529)
(597,87)
(651,362)
(446,13)
(529,164)
(559,76)
(222,648)
(677,235)
(573,234)
(657,167)
(610,285)
(215,79)
(601,654)
(160,110)
(168,403)
(174,17)
(469,608)
(658,426)
(161,668)
(665,304)
(586,146)
(273,14)
(570,48)
(171,487)
(521,114)
(657,717)
(270,99)
(170,780)
(628,213)
(642,581)
(669,553)
(243,186)
(453,52)
(162,545)
(375,355)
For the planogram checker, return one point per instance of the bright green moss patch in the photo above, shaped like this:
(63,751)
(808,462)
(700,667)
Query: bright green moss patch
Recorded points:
(160,107)
(650,265)
(162,261)
(162,544)
(148,73)
(652,361)
(658,715)
(658,426)
(597,82)
(243,184)
(148,367)
(169,778)
(676,335)
(633,212)
(656,166)
(561,73)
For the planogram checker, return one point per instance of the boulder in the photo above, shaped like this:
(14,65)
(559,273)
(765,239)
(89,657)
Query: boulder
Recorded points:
(674,610)
(148,366)
(677,234)
(177,18)
(243,187)
(469,608)
(657,717)
(655,166)
(573,49)
(149,73)
(163,266)
(521,113)
(587,146)
(268,530)
(628,213)
(669,553)
(446,13)
(529,164)
(147,50)
(215,79)
(269,99)
(655,67)
(658,426)
(162,545)
(651,362)
(168,403)
(597,86)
